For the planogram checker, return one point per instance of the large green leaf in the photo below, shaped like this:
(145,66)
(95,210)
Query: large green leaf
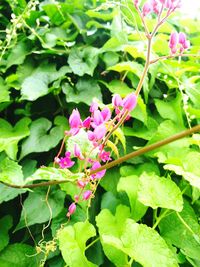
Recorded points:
(11,172)
(5,225)
(37,83)
(10,136)
(146,246)
(42,136)
(130,185)
(83,60)
(109,224)
(72,243)
(18,255)
(48,207)
(182,230)
(171,109)
(84,91)
(155,191)
(188,167)
(122,237)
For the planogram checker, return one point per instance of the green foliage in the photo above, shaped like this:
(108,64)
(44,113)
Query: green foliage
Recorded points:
(56,56)
(73,249)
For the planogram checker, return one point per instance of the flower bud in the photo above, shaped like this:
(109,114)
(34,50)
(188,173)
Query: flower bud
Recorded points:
(174,38)
(86,122)
(147,8)
(97,118)
(130,102)
(93,107)
(87,194)
(75,119)
(182,38)
(116,100)
(81,184)
(106,114)
(77,152)
(100,132)
(71,209)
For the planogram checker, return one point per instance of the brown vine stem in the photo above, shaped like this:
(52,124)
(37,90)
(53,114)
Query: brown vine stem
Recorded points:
(173,56)
(148,148)
(118,161)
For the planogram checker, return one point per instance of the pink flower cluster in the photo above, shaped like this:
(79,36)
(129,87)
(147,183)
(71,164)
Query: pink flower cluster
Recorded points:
(154,6)
(178,42)
(97,126)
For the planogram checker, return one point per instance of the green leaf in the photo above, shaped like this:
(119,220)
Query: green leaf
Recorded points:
(109,224)
(53,174)
(131,66)
(83,60)
(146,246)
(4,89)
(84,91)
(140,111)
(8,193)
(118,87)
(10,136)
(182,230)
(42,136)
(188,167)
(18,255)
(50,206)
(110,202)
(155,191)
(110,58)
(171,110)
(11,172)
(5,224)
(72,243)
(19,53)
(110,180)
(37,83)
(130,185)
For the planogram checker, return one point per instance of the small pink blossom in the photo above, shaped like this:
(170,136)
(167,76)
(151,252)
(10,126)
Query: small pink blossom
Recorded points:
(71,209)
(97,118)
(173,41)
(130,102)
(87,194)
(182,38)
(77,152)
(147,8)
(75,119)
(106,114)
(100,132)
(91,136)
(97,175)
(66,162)
(104,155)
(93,107)
(76,197)
(87,122)
(81,184)
(116,100)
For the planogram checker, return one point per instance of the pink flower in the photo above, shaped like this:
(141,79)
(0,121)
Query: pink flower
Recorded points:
(174,38)
(97,175)
(147,8)
(100,132)
(130,102)
(97,118)
(93,107)
(91,136)
(155,6)
(116,100)
(71,209)
(77,152)
(66,162)
(87,194)
(86,122)
(81,184)
(75,119)
(182,38)
(106,114)
(104,155)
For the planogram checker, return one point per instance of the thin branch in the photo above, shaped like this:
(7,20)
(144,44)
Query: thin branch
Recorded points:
(148,148)
(120,160)
(173,56)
